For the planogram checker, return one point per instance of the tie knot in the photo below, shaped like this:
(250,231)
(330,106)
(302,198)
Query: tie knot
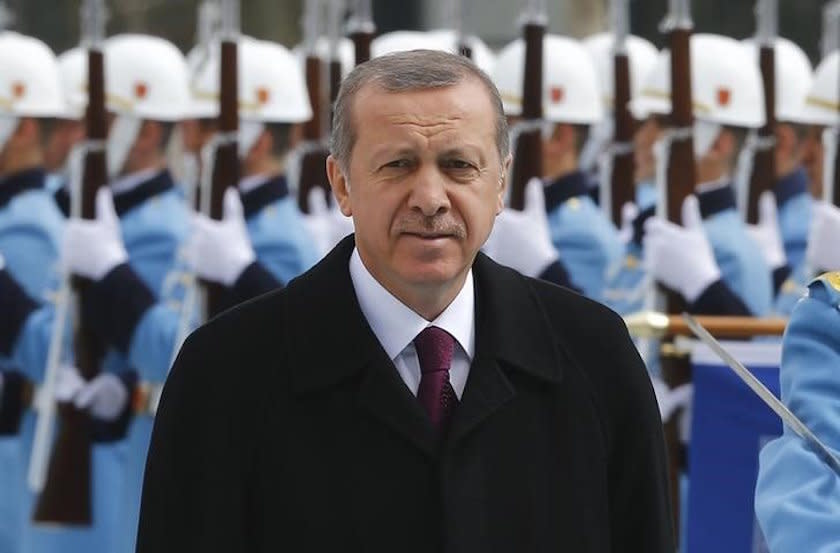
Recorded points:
(434,348)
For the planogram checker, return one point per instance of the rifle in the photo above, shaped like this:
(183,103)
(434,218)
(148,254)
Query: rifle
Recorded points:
(622,175)
(830,43)
(313,164)
(226,166)
(66,495)
(527,160)
(764,162)
(680,177)
(361,29)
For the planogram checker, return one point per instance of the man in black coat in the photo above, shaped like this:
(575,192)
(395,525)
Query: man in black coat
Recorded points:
(408,393)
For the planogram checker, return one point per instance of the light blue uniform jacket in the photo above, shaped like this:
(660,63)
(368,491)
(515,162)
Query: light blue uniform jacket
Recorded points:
(30,241)
(586,240)
(797,497)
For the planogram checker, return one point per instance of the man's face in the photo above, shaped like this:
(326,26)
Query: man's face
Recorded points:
(644,139)
(424,182)
(812,158)
(65,134)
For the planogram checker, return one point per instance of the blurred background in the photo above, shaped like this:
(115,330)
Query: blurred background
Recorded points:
(56,21)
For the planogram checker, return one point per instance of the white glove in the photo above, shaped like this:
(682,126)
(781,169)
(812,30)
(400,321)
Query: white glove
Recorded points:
(823,251)
(104,397)
(93,247)
(766,233)
(219,251)
(629,212)
(680,257)
(68,383)
(521,239)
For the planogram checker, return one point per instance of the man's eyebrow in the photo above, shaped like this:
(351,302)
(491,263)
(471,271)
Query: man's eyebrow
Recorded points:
(461,151)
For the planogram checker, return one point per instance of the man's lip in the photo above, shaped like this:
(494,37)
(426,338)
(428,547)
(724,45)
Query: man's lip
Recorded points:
(430,236)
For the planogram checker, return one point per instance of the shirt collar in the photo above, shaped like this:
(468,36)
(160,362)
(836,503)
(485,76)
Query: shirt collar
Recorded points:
(246,184)
(396,325)
(131,181)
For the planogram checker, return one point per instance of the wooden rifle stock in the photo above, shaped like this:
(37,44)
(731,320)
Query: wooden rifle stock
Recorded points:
(226,167)
(66,497)
(836,193)
(764,162)
(622,179)
(681,180)
(361,45)
(313,165)
(527,160)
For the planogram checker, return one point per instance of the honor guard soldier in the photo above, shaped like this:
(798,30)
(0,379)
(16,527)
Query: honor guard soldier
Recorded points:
(273,102)
(822,109)
(586,240)
(727,102)
(30,238)
(797,496)
(625,282)
(135,243)
(792,190)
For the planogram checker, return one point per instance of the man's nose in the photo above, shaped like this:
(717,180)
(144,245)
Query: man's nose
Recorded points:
(428,193)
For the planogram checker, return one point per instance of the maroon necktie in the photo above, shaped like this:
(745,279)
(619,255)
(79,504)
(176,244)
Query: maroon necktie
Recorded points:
(435,347)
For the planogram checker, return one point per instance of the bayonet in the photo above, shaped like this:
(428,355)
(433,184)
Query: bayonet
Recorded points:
(792,421)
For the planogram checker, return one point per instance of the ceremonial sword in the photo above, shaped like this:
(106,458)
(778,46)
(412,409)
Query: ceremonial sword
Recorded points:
(787,416)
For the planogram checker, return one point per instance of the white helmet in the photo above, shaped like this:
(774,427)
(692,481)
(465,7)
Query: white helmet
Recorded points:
(443,40)
(145,78)
(29,83)
(822,103)
(726,85)
(271,84)
(346,53)
(72,70)
(571,93)
(793,77)
(641,55)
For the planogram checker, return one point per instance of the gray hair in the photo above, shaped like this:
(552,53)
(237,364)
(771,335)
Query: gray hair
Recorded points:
(408,71)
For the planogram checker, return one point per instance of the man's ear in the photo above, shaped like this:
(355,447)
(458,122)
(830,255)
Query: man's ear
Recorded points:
(340,186)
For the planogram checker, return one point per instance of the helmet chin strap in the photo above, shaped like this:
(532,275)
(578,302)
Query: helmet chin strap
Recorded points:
(743,171)
(121,137)
(249,132)
(705,134)
(8,126)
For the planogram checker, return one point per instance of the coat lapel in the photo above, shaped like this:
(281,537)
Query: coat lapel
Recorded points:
(333,342)
(512,333)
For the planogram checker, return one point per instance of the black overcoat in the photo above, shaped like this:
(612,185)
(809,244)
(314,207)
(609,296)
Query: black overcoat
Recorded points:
(284,427)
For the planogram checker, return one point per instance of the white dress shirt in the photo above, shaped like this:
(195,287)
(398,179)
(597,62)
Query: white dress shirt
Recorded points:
(396,325)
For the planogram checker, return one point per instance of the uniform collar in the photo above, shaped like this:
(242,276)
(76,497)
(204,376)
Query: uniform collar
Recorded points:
(715,197)
(396,325)
(257,195)
(155,183)
(18,183)
(791,185)
(510,323)
(566,187)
